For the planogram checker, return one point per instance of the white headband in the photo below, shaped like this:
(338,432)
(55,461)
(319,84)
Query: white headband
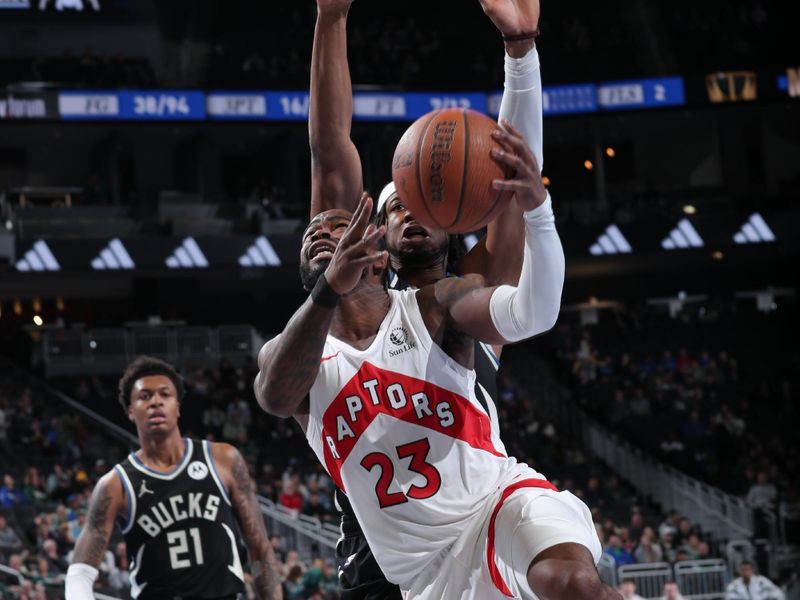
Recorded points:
(387,193)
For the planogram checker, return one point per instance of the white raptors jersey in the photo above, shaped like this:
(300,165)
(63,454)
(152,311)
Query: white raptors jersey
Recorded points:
(400,431)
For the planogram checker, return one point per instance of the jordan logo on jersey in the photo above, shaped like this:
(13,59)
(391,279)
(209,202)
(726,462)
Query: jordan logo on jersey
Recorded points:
(143,489)
(403,342)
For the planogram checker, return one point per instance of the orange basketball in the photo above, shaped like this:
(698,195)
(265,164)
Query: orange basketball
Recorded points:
(443,171)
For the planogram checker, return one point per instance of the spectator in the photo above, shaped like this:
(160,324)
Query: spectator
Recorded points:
(33,489)
(762,494)
(618,552)
(213,420)
(636,527)
(628,590)
(9,538)
(56,563)
(10,496)
(4,420)
(749,586)
(293,584)
(119,577)
(290,497)
(671,591)
(648,550)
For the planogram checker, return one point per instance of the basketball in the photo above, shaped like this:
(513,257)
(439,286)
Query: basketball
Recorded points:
(443,171)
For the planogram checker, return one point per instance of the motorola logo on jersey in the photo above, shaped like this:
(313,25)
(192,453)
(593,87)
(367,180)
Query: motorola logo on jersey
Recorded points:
(400,338)
(179,508)
(197,470)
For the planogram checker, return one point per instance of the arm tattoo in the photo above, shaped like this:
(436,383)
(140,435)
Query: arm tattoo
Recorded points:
(294,363)
(93,541)
(262,559)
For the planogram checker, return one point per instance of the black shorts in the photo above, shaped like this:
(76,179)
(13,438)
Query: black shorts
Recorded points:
(361,578)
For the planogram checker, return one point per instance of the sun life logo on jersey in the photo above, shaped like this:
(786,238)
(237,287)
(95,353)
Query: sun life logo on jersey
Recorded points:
(400,338)
(198,470)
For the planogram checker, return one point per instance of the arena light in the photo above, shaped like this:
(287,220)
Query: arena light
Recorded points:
(260,254)
(113,257)
(39,259)
(17,307)
(546,181)
(682,237)
(689,209)
(610,152)
(470,241)
(611,242)
(38,321)
(187,256)
(754,231)
(588,165)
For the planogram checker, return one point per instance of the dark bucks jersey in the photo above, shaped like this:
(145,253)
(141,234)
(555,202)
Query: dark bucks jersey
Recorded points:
(181,533)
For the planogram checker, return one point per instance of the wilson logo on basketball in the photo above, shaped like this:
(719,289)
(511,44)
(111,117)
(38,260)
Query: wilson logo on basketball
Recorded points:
(400,338)
(441,154)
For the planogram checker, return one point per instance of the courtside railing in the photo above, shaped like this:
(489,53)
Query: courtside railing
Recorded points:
(67,351)
(696,579)
(723,515)
(648,577)
(308,536)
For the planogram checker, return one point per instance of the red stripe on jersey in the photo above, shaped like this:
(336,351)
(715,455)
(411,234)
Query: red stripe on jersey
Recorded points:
(494,572)
(373,391)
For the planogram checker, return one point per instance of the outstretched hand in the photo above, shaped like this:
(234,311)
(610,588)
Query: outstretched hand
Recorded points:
(526,180)
(512,17)
(356,251)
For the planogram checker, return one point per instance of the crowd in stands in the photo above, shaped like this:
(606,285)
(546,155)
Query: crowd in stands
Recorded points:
(682,407)
(677,390)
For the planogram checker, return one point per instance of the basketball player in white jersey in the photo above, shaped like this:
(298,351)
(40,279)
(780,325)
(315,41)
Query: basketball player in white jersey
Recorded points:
(178,503)
(418,255)
(394,419)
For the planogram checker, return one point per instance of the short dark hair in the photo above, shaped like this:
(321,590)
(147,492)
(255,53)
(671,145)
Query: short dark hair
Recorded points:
(146,366)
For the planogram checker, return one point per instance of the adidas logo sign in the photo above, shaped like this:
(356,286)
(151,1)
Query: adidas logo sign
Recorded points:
(39,258)
(260,254)
(113,257)
(683,236)
(755,231)
(611,242)
(187,256)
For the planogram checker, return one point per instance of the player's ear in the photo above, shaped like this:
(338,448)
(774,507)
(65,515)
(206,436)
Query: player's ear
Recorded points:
(380,265)
(130,412)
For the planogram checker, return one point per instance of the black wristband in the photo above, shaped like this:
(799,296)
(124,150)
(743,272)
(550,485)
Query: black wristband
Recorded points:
(323,293)
(521,37)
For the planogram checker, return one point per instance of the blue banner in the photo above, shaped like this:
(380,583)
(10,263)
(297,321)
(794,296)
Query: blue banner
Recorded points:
(172,105)
(144,105)
(644,93)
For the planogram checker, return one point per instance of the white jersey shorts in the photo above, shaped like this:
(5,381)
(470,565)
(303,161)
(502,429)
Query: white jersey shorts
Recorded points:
(490,560)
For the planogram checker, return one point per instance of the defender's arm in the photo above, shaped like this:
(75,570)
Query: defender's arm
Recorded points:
(336,178)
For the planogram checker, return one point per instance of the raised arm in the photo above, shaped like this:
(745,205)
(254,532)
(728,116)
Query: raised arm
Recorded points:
(289,363)
(498,256)
(336,179)
(504,314)
(107,501)
(236,478)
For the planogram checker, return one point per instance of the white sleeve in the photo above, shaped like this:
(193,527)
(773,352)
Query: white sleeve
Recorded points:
(522,100)
(79,583)
(532,307)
